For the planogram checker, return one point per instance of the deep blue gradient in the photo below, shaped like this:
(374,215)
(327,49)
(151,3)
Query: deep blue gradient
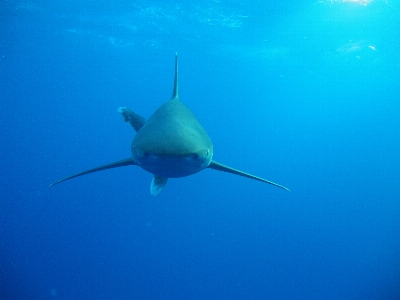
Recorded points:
(303,93)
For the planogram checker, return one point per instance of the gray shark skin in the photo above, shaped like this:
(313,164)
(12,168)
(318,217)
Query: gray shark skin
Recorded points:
(171,143)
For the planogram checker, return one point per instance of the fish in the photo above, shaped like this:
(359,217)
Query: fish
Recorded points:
(170,144)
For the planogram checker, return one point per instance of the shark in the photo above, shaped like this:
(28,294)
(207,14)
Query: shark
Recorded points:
(170,144)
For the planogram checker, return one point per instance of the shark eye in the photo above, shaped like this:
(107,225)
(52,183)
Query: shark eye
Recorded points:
(140,153)
(207,152)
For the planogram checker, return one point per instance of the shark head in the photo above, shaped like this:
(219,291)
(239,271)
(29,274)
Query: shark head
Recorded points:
(172,143)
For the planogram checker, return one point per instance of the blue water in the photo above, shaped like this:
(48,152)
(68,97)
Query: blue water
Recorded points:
(303,93)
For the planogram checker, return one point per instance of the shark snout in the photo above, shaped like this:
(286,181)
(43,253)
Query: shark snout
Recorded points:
(172,165)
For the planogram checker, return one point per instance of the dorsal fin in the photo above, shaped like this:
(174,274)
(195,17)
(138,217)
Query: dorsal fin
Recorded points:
(175,91)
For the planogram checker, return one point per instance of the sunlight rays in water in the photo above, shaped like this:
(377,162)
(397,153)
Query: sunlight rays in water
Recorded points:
(360,2)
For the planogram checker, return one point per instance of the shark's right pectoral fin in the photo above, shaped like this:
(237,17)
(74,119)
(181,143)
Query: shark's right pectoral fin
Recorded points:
(220,167)
(157,185)
(117,164)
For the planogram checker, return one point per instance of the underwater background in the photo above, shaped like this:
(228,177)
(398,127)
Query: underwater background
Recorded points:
(303,93)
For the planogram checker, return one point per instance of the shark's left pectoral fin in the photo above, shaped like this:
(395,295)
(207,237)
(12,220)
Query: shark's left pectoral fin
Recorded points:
(220,167)
(117,164)
(157,185)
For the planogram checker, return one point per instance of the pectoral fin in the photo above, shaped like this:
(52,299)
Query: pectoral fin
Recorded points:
(120,163)
(157,185)
(220,167)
